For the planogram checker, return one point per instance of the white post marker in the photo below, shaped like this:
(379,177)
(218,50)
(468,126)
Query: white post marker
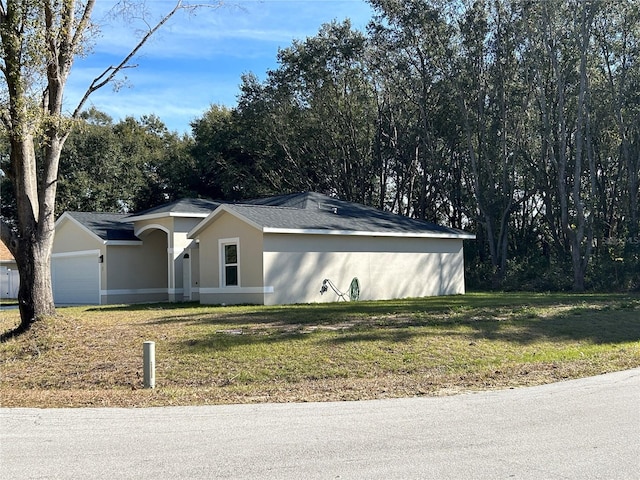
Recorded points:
(149,364)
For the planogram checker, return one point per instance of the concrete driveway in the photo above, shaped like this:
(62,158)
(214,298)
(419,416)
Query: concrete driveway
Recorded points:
(580,429)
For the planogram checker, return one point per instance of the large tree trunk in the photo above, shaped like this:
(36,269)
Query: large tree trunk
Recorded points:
(35,296)
(31,242)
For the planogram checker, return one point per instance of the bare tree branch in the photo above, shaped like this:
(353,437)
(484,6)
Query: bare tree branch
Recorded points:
(82,25)
(110,72)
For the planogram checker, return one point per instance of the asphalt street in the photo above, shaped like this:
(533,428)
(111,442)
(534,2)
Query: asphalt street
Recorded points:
(579,429)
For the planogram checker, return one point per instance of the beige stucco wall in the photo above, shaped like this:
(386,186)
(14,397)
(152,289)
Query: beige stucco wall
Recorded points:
(250,262)
(143,225)
(150,272)
(181,227)
(70,237)
(386,267)
(137,273)
(290,268)
(185,225)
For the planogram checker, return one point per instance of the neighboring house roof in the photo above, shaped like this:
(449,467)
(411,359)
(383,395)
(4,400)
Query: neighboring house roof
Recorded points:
(5,254)
(313,213)
(186,207)
(106,227)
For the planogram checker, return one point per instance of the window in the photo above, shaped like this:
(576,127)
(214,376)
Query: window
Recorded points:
(229,262)
(230,265)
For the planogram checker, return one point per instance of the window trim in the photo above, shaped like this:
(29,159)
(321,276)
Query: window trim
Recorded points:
(222,243)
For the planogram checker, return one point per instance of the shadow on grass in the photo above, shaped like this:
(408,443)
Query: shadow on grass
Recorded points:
(597,327)
(519,319)
(338,312)
(221,341)
(369,307)
(141,307)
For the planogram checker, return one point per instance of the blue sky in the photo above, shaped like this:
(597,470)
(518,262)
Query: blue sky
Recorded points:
(197,61)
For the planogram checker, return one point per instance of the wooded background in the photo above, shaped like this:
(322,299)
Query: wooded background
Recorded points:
(518,121)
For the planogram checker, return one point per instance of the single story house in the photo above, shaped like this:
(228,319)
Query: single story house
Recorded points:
(297,248)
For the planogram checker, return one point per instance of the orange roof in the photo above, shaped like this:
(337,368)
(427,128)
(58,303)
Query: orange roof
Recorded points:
(5,254)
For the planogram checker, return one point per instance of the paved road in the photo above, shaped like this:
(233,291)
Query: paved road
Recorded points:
(581,429)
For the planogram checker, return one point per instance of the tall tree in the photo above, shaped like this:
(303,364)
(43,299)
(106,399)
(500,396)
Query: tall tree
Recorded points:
(322,112)
(225,163)
(127,166)
(412,61)
(492,99)
(616,130)
(40,41)
(561,60)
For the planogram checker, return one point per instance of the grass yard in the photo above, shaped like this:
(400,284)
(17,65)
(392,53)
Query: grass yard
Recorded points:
(92,356)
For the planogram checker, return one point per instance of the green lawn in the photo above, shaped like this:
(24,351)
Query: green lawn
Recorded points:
(339,351)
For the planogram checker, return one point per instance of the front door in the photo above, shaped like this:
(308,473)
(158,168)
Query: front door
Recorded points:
(186,276)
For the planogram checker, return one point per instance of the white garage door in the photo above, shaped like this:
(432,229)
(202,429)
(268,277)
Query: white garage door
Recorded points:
(76,279)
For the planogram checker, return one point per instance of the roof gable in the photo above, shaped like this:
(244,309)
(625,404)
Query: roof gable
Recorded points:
(105,227)
(186,207)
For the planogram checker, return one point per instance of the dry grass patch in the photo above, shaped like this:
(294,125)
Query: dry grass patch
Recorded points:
(344,351)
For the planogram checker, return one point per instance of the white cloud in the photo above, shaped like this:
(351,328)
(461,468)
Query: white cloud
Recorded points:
(275,23)
(195,61)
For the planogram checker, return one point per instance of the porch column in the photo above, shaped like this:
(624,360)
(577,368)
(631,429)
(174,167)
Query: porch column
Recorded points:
(175,275)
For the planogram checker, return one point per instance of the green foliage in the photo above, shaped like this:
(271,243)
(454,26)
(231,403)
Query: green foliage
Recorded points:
(127,166)
(315,115)
(518,121)
(225,165)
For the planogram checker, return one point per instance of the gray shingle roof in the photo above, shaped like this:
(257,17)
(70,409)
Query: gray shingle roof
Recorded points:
(313,211)
(303,200)
(185,207)
(107,226)
(306,211)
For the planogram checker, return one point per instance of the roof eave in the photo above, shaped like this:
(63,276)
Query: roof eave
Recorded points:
(359,233)
(123,242)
